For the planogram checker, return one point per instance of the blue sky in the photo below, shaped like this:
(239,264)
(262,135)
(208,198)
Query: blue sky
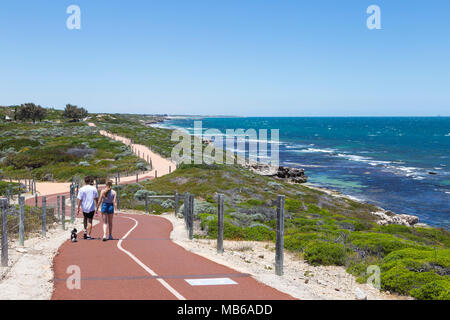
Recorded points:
(246,57)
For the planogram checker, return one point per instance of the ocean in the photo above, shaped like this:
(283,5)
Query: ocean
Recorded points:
(398,163)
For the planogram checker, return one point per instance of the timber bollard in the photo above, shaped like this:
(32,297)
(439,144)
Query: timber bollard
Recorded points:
(58,204)
(4,209)
(63,212)
(191,217)
(137,177)
(280,236)
(170,169)
(44,216)
(21,220)
(176,203)
(186,208)
(220,224)
(72,210)
(146,202)
(118,198)
(35,200)
(156,174)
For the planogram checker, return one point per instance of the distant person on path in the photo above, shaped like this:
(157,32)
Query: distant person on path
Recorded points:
(87,199)
(108,203)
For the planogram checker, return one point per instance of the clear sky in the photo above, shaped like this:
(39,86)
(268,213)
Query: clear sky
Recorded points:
(237,57)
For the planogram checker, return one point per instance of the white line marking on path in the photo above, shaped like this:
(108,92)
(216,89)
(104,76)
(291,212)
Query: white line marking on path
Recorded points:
(210,282)
(139,262)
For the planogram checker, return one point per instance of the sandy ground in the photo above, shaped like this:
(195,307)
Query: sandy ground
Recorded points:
(300,279)
(29,274)
(160,164)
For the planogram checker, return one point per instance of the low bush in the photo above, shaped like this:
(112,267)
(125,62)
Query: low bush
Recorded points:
(325,253)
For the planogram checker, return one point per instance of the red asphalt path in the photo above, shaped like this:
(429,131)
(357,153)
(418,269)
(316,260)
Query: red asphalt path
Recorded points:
(142,263)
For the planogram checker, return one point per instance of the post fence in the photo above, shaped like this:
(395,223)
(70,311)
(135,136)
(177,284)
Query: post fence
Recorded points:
(186,208)
(118,198)
(58,204)
(4,208)
(220,223)
(21,220)
(279,254)
(63,212)
(44,216)
(191,217)
(176,203)
(72,210)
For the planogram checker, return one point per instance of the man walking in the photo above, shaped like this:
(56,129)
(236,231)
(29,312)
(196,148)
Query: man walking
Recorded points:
(87,201)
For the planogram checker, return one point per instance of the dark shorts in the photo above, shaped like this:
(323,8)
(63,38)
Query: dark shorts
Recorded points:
(108,208)
(89,215)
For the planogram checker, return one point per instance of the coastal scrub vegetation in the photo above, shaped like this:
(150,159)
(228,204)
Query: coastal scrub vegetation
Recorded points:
(323,229)
(57,149)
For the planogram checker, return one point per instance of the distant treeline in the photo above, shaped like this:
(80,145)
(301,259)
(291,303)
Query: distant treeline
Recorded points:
(32,112)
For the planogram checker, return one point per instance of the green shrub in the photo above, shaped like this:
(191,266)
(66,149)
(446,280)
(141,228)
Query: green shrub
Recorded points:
(380,244)
(435,290)
(298,241)
(259,232)
(325,253)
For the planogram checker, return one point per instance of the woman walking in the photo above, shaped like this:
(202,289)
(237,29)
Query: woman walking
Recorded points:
(108,202)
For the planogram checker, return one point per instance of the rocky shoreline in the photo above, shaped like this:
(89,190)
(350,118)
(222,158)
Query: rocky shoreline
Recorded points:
(297,175)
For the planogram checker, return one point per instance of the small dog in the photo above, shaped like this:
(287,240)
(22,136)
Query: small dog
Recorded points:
(73,235)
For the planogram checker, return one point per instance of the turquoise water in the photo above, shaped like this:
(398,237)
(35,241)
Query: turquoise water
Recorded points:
(381,160)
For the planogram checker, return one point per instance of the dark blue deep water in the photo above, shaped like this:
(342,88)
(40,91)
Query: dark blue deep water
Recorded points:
(381,160)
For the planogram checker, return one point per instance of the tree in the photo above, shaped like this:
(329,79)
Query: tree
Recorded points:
(30,111)
(74,113)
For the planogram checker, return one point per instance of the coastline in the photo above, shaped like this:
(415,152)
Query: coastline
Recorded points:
(381,212)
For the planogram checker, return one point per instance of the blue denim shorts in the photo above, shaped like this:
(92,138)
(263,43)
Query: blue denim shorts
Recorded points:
(107,208)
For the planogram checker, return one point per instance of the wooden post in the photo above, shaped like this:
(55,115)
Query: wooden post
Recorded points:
(186,208)
(280,236)
(116,181)
(137,177)
(7,197)
(72,210)
(191,217)
(21,220)
(146,202)
(58,204)
(4,208)
(63,212)
(118,198)
(156,174)
(118,176)
(44,216)
(176,203)
(220,223)
(35,200)
(151,164)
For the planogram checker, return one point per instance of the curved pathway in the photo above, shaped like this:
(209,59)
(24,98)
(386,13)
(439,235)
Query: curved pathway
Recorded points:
(143,263)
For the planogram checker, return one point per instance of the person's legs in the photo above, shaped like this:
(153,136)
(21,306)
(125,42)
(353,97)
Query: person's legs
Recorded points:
(85,226)
(105,223)
(110,223)
(89,226)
